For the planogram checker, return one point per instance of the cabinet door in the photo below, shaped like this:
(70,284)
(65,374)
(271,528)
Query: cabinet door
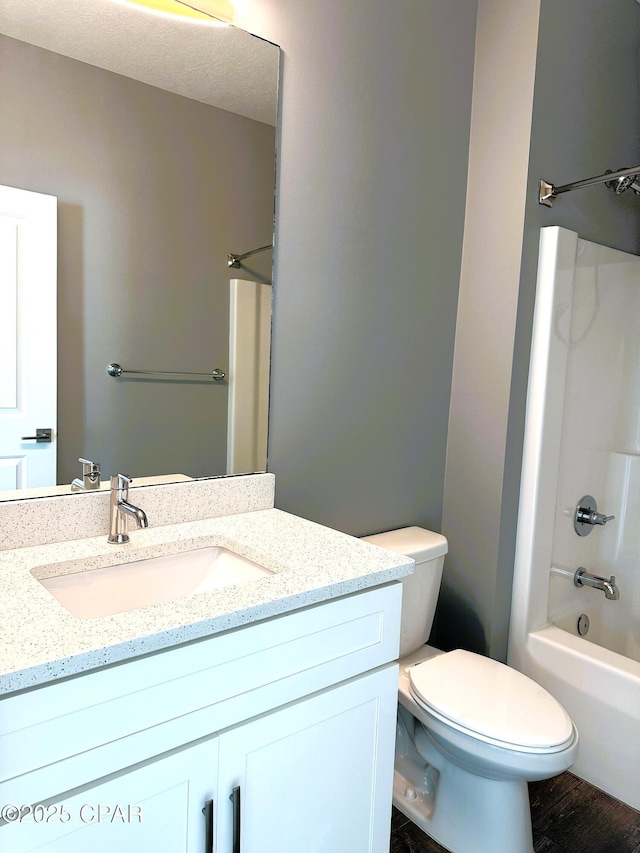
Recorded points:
(157,806)
(316,775)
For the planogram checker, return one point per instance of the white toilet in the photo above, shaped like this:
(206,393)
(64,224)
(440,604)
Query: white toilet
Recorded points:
(471,731)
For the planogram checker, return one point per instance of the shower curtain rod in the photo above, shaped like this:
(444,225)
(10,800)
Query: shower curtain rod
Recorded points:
(234,260)
(548,192)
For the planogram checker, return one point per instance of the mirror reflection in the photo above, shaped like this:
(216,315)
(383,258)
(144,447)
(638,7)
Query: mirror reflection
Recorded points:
(152,189)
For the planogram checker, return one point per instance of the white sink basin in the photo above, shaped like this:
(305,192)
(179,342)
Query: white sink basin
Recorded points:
(94,593)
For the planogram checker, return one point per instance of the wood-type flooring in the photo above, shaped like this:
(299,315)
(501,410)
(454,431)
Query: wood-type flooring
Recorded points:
(568,816)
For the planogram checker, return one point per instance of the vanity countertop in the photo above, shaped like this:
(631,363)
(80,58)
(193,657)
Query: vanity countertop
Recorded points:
(42,641)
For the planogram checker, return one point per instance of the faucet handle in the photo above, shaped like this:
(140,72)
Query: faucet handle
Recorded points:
(90,473)
(90,479)
(587,515)
(89,467)
(121,481)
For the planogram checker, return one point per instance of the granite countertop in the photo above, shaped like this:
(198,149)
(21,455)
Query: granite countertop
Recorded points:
(42,641)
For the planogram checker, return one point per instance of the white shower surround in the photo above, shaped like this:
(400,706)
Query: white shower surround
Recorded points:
(583,437)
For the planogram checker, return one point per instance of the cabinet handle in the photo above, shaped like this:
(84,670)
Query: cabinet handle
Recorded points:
(234,796)
(207,811)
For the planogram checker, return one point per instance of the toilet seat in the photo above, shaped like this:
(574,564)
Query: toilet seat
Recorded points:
(491,702)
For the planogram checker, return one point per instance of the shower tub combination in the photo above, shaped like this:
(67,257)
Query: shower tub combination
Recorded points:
(582,439)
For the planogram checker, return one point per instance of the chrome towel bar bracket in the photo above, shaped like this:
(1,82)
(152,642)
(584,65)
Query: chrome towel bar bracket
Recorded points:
(114,369)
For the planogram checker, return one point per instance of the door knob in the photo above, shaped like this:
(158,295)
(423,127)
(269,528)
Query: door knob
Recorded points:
(41,436)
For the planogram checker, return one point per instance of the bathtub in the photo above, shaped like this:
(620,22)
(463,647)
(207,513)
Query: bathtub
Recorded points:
(601,691)
(582,437)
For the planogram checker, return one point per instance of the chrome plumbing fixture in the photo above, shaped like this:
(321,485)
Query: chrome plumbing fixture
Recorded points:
(583,625)
(235,261)
(619,181)
(584,578)
(121,509)
(587,516)
(90,479)
(624,183)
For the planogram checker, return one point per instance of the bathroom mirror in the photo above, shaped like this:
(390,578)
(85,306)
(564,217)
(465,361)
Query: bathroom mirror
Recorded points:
(157,136)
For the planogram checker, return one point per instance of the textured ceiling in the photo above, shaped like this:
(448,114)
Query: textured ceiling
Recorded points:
(218,65)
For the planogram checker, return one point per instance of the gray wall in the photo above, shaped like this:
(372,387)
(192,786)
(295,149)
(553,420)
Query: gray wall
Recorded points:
(376,100)
(470,604)
(583,119)
(374,150)
(153,191)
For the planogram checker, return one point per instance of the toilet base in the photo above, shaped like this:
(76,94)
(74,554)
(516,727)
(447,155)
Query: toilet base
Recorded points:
(414,788)
(466,813)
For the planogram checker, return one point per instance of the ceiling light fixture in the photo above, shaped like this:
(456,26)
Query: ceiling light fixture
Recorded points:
(203,10)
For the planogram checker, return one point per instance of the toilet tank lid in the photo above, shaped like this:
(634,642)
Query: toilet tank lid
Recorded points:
(414,542)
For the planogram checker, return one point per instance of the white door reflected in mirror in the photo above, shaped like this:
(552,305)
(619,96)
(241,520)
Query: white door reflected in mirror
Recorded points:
(28,252)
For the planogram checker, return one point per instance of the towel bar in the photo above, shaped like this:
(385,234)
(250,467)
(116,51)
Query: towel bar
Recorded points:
(114,369)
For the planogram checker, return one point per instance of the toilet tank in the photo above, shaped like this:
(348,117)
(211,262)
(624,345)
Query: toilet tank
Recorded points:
(420,590)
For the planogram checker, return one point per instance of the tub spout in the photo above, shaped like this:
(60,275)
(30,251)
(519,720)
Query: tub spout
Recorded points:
(584,578)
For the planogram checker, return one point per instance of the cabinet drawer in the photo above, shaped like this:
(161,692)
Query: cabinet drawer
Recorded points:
(217,682)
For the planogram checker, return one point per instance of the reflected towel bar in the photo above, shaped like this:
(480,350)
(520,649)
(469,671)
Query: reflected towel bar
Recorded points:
(234,260)
(114,369)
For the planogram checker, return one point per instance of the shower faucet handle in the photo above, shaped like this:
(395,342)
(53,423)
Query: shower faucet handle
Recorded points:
(587,516)
(591,517)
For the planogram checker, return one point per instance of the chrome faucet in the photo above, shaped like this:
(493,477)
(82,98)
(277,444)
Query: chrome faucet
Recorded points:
(90,477)
(584,578)
(121,509)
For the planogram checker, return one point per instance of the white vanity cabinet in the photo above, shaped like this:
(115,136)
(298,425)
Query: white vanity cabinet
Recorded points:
(295,714)
(155,807)
(314,775)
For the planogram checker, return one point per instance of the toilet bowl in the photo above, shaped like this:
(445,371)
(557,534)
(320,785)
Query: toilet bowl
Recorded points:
(471,731)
